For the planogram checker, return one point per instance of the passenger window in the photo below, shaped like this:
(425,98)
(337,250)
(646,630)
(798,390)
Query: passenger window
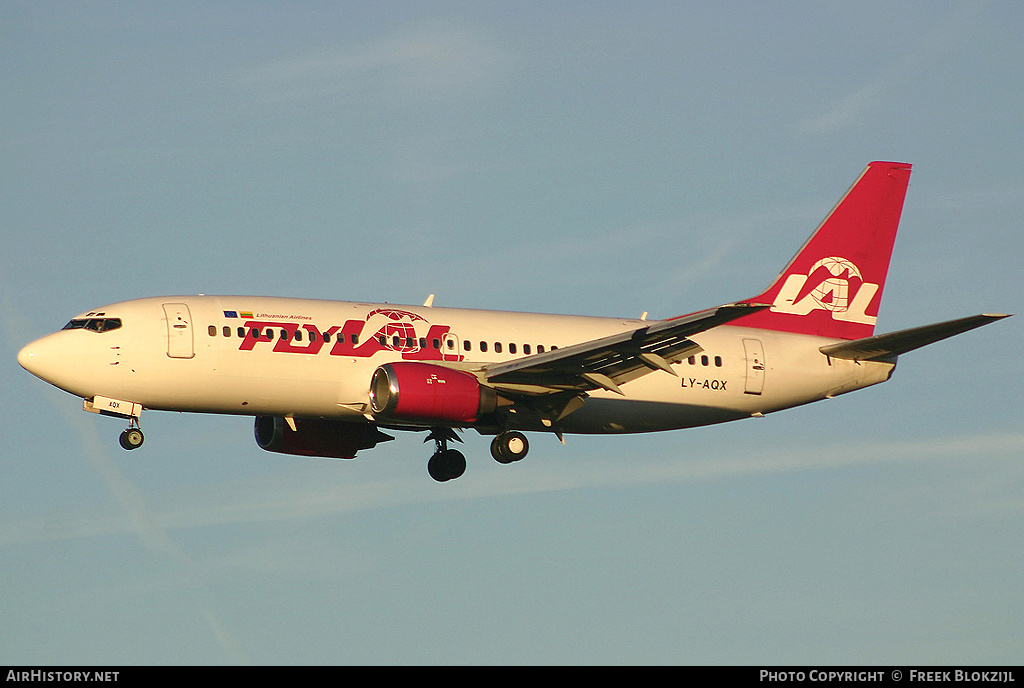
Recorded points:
(212,329)
(540,348)
(354,338)
(692,360)
(298,335)
(511,348)
(526,349)
(718,361)
(227,331)
(436,343)
(704,360)
(483,346)
(241,333)
(497,347)
(423,342)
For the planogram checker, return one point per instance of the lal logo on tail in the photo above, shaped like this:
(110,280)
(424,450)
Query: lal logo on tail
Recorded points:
(832,284)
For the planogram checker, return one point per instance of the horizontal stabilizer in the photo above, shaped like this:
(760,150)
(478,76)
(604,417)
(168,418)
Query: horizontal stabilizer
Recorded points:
(885,346)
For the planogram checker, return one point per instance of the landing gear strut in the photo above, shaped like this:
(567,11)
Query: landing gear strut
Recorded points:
(446,464)
(132,438)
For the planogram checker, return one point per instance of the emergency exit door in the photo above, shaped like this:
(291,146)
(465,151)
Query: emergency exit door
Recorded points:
(450,348)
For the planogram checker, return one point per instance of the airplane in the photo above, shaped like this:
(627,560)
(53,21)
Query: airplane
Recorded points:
(326,378)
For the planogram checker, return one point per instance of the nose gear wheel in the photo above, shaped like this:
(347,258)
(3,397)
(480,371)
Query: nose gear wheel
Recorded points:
(132,438)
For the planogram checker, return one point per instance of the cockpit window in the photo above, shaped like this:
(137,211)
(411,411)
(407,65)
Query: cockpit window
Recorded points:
(94,324)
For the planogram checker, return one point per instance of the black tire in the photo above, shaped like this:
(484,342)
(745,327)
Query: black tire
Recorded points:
(508,447)
(447,465)
(132,438)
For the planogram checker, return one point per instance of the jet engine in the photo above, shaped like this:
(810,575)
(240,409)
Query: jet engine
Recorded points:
(426,392)
(335,439)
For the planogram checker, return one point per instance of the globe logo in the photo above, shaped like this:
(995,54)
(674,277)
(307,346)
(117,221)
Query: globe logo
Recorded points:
(397,328)
(833,293)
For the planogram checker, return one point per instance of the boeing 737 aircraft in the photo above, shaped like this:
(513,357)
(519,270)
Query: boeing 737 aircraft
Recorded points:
(324,378)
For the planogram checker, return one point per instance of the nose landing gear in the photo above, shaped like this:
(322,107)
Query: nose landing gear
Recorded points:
(131,438)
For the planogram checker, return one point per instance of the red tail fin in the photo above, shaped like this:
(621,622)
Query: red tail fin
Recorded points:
(832,288)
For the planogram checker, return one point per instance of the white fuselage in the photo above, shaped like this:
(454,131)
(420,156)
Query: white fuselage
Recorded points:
(225,354)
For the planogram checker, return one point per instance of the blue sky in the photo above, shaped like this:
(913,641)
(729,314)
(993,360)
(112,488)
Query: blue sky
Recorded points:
(588,158)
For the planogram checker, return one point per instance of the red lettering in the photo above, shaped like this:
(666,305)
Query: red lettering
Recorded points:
(429,353)
(346,344)
(256,332)
(316,341)
(349,341)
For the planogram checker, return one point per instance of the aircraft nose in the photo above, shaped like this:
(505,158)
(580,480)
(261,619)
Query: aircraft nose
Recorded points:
(43,358)
(28,357)
(75,361)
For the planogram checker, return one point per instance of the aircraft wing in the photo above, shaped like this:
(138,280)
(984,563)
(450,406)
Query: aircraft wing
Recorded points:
(885,346)
(610,361)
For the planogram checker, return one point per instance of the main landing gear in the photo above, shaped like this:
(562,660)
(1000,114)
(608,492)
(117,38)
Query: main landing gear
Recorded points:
(132,438)
(508,447)
(447,464)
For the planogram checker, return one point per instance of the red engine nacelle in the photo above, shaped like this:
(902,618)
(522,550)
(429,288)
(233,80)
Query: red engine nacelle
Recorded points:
(335,439)
(427,392)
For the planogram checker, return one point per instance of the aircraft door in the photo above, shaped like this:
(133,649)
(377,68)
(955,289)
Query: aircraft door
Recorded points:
(450,348)
(179,331)
(754,353)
